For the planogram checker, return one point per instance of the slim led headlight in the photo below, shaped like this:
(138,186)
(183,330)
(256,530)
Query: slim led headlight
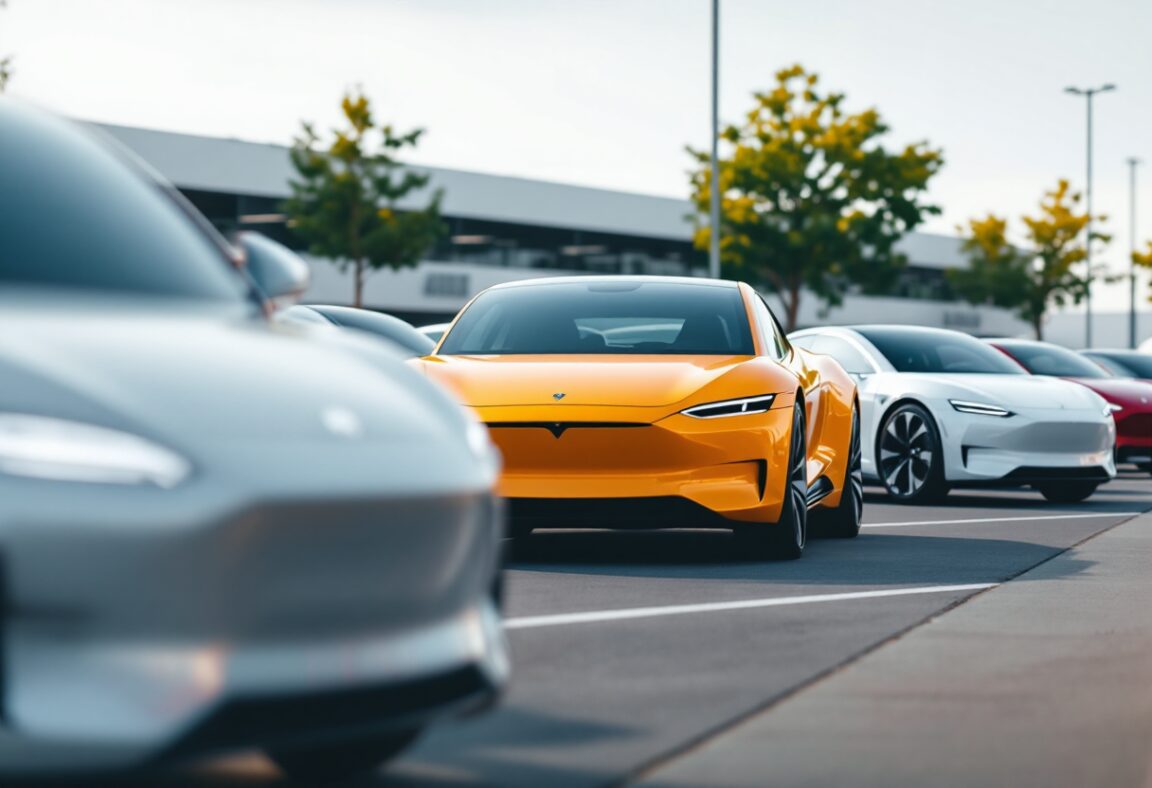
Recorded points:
(731,407)
(47,448)
(979,408)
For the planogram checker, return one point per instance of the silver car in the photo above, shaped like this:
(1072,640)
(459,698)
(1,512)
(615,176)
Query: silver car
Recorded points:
(214,534)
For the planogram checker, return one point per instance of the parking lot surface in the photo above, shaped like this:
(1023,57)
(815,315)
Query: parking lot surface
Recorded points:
(633,648)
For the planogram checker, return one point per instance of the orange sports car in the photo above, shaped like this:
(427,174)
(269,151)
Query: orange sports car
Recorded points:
(653,402)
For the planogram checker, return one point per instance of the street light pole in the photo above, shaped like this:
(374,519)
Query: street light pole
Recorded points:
(1088,93)
(714,213)
(1132,164)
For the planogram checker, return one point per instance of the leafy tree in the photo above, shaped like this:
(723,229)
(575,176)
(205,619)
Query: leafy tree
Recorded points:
(1144,259)
(809,196)
(1029,280)
(344,203)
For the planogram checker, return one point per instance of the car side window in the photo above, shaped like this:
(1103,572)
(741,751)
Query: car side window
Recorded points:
(843,351)
(774,341)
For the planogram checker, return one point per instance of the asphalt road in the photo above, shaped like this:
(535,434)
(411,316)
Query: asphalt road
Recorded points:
(630,647)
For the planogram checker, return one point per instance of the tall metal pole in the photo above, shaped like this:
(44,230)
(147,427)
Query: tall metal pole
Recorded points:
(1088,94)
(714,214)
(1132,164)
(1088,238)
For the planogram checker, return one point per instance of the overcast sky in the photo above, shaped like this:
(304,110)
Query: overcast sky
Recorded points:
(608,92)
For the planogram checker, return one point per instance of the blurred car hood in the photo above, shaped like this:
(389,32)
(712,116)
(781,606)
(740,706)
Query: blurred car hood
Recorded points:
(627,380)
(1125,391)
(193,376)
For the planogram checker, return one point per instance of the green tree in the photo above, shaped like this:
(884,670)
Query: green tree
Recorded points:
(810,198)
(1028,280)
(344,202)
(1144,259)
(5,62)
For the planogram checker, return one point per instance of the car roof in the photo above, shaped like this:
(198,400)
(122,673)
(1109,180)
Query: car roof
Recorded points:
(1114,352)
(562,280)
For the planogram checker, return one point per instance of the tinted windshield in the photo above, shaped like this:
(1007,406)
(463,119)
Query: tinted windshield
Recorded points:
(1054,360)
(604,317)
(914,350)
(73,215)
(1137,365)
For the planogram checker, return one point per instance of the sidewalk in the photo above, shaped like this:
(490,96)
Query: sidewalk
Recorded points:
(1044,681)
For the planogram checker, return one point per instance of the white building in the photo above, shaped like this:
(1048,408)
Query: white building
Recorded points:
(503,228)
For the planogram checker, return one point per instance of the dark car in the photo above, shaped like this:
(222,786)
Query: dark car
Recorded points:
(388,327)
(1123,363)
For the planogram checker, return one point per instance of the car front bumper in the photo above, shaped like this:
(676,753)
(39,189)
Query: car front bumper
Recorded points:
(733,467)
(137,620)
(1040,444)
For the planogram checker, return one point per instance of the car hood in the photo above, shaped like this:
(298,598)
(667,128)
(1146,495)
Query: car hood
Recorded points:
(1135,394)
(630,380)
(191,378)
(1014,392)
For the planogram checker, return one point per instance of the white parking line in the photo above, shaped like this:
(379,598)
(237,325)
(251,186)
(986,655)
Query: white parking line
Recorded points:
(1003,519)
(597,616)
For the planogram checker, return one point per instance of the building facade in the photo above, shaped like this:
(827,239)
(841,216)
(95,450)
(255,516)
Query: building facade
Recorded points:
(503,228)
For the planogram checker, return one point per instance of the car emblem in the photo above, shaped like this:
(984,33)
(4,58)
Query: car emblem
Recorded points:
(559,395)
(343,422)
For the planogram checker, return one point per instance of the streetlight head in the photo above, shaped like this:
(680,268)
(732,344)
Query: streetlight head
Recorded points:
(1073,91)
(1107,87)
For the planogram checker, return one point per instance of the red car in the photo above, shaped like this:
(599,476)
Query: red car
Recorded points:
(1131,400)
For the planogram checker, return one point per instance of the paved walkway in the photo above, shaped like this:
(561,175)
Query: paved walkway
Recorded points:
(1046,681)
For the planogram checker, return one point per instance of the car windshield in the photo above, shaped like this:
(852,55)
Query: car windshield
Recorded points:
(604,317)
(1136,365)
(75,216)
(1042,359)
(916,350)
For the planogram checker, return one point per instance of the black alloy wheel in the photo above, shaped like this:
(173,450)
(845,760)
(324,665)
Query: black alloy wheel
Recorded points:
(910,459)
(785,540)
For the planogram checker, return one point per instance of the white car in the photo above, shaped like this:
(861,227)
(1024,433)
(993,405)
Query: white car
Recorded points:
(946,410)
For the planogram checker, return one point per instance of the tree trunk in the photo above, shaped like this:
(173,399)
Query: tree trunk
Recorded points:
(358,277)
(792,306)
(1038,327)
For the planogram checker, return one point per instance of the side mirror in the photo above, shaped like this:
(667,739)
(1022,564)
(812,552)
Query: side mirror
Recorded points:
(281,275)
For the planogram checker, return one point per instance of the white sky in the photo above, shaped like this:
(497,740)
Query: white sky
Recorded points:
(608,92)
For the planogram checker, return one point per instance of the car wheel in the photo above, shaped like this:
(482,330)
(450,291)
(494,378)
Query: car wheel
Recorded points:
(1067,492)
(322,764)
(843,522)
(909,455)
(519,530)
(785,540)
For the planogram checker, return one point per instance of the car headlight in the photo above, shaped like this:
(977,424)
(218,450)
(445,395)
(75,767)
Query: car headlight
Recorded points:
(47,448)
(979,408)
(731,407)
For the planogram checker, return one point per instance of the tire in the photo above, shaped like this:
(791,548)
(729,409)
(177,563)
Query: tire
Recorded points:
(519,530)
(326,764)
(785,539)
(910,457)
(1067,492)
(843,522)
